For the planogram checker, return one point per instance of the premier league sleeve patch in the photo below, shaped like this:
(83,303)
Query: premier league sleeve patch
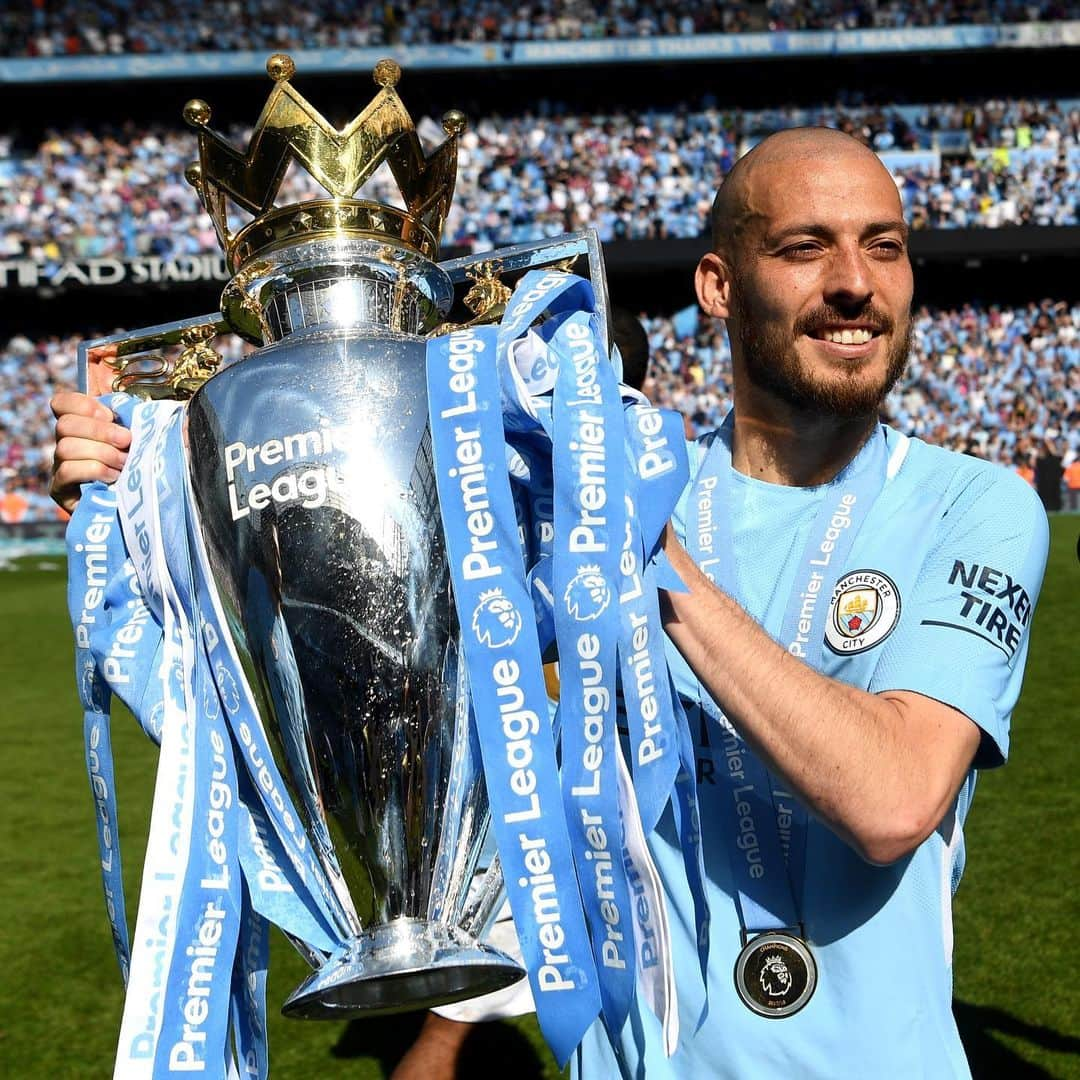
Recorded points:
(863,612)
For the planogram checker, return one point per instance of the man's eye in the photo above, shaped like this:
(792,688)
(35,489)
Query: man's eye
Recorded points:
(807,247)
(889,248)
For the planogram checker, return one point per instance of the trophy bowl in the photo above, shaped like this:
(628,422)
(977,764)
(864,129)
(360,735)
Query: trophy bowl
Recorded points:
(311,468)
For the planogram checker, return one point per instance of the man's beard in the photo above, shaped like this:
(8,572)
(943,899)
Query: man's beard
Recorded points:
(773,363)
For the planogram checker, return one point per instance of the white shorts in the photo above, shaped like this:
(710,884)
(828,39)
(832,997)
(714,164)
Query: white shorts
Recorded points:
(515,1000)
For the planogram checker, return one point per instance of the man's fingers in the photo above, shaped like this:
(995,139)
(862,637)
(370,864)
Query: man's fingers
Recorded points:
(71,401)
(70,475)
(89,446)
(74,449)
(73,473)
(94,429)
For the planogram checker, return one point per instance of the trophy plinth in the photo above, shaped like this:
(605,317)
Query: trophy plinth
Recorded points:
(419,963)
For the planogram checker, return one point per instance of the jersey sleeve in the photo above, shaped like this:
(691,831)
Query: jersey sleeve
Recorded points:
(963,636)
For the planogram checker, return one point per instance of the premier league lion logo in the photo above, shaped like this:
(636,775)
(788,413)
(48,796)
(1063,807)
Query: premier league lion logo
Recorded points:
(155,721)
(496,622)
(230,692)
(775,977)
(587,595)
(211,708)
(92,691)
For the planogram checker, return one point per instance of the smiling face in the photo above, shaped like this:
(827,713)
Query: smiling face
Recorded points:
(812,274)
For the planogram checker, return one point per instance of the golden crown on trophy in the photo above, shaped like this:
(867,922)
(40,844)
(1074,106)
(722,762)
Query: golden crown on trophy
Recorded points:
(290,129)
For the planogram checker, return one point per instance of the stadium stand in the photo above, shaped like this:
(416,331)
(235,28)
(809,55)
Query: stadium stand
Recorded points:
(997,382)
(1000,380)
(84,193)
(864,14)
(49,28)
(52,29)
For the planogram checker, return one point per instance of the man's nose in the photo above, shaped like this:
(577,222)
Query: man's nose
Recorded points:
(849,282)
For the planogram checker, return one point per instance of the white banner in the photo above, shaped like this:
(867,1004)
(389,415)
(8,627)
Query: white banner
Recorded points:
(74,273)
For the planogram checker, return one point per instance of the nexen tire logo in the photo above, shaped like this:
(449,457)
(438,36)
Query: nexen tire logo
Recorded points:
(588,594)
(496,622)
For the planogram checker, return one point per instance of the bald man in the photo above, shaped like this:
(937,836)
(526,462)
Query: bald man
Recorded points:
(849,648)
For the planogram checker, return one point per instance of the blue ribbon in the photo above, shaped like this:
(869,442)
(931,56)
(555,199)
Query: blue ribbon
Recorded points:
(249,992)
(91,567)
(195,1012)
(645,469)
(590,523)
(766,832)
(498,639)
(656,472)
(217,940)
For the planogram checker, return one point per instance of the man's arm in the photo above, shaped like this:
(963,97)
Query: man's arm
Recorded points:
(881,770)
(89,446)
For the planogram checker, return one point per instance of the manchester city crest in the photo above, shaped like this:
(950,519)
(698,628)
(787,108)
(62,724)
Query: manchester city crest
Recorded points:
(864,610)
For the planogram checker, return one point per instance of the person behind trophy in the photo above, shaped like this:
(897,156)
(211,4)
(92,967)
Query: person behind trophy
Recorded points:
(853,757)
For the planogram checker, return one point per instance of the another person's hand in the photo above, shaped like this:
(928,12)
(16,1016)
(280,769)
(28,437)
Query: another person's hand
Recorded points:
(436,1053)
(89,446)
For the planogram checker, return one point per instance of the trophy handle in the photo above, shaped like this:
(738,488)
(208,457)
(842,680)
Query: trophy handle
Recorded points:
(483,907)
(133,361)
(563,252)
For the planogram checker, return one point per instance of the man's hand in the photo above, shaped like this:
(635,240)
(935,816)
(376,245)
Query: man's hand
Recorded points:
(89,446)
(881,770)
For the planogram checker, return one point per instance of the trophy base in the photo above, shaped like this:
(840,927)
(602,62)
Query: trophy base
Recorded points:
(400,966)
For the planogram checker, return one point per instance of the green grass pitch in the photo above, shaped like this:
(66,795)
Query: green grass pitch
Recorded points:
(1017,997)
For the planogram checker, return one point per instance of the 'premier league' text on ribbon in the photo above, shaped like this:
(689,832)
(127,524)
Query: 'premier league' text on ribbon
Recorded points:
(518,754)
(589,504)
(811,592)
(649,746)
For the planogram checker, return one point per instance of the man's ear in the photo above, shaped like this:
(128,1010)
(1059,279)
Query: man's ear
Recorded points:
(712,281)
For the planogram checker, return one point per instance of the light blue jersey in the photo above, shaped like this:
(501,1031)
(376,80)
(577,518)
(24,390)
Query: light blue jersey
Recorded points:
(936,597)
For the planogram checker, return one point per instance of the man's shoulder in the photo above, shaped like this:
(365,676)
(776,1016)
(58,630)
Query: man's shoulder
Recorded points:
(969,485)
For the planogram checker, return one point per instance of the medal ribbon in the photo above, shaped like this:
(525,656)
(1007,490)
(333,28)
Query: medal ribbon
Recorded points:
(766,836)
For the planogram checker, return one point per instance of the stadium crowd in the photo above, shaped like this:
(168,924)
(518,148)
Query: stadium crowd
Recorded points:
(82,193)
(998,382)
(114,27)
(1002,383)
(866,14)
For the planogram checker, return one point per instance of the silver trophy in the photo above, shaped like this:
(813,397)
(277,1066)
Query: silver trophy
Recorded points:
(312,471)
